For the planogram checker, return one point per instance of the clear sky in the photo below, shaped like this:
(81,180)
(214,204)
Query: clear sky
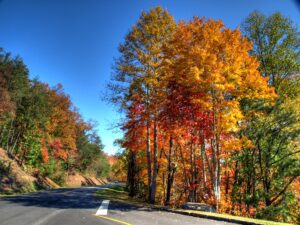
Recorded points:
(73,42)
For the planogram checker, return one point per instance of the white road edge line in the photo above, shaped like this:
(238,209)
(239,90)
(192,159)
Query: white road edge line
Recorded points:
(102,211)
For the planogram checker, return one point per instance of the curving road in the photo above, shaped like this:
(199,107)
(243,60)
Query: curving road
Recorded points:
(77,206)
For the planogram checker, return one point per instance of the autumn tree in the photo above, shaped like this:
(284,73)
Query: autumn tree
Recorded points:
(212,115)
(41,128)
(213,63)
(137,71)
(6,104)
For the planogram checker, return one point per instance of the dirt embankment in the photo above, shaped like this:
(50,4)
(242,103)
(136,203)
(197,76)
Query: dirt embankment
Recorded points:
(77,180)
(14,179)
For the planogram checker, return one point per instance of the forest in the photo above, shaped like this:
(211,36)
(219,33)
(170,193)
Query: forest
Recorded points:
(211,114)
(42,130)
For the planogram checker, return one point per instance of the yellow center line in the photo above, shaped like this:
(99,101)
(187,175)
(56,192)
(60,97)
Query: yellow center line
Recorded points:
(112,219)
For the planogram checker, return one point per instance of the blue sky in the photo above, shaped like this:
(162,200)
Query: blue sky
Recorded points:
(73,42)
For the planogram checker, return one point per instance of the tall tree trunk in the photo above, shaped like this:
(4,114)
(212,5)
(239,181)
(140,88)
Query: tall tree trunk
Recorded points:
(215,156)
(195,175)
(218,188)
(12,151)
(8,137)
(155,164)
(23,156)
(191,190)
(203,161)
(253,177)
(149,160)
(3,131)
(186,178)
(235,187)
(131,174)
(170,178)
(227,179)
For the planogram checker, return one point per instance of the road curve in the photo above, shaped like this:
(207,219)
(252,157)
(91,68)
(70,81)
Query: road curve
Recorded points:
(76,206)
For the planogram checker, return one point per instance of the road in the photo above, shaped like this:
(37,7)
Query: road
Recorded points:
(76,206)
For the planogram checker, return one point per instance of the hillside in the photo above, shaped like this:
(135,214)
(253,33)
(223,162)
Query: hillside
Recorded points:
(76,180)
(17,179)
(14,179)
(42,130)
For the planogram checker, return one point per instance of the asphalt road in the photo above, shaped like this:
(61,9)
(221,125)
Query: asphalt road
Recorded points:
(76,206)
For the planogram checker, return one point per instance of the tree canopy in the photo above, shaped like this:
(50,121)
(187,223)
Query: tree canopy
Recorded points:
(211,113)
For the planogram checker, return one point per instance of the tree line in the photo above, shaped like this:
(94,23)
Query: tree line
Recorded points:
(211,114)
(42,129)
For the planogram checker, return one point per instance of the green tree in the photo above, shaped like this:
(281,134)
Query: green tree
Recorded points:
(274,162)
(16,82)
(91,158)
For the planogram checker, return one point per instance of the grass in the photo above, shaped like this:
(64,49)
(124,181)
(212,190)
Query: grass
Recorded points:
(2,195)
(118,193)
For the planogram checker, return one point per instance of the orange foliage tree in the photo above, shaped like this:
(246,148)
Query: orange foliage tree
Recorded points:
(190,98)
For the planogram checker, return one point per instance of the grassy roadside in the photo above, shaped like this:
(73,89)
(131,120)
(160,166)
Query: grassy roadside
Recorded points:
(118,193)
(14,194)
(8,195)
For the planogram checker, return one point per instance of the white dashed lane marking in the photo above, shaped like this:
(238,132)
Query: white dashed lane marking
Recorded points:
(102,211)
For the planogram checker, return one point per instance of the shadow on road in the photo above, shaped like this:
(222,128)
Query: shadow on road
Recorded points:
(67,198)
(84,199)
